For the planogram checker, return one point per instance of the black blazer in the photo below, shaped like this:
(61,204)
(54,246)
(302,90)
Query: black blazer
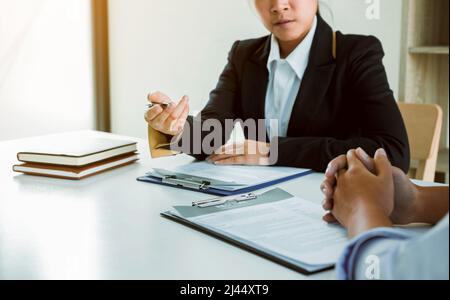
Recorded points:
(342,104)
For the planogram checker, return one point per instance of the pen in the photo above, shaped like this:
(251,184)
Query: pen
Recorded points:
(224,200)
(163,105)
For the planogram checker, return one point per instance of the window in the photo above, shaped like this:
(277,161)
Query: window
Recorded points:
(46,67)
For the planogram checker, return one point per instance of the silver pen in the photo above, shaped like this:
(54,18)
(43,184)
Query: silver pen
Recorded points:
(223,200)
(164,105)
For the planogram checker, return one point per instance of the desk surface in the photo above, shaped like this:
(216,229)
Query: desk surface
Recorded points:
(109,227)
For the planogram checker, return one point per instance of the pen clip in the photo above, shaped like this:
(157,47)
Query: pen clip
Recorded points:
(186,182)
(224,200)
(161,173)
(164,105)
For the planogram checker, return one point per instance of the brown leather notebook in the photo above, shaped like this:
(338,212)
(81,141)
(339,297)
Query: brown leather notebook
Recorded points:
(76,173)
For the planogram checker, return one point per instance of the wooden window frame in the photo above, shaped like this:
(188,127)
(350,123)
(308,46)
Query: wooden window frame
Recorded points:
(100,42)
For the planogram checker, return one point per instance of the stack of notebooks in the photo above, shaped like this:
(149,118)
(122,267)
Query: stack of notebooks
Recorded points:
(75,157)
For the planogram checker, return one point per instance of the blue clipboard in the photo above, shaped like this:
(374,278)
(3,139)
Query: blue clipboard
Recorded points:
(203,188)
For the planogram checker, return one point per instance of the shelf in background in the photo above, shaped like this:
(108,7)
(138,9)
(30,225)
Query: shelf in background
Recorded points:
(442,173)
(442,164)
(440,50)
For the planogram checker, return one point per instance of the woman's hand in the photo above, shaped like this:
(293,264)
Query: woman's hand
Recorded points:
(171,120)
(247,153)
(405,192)
(363,200)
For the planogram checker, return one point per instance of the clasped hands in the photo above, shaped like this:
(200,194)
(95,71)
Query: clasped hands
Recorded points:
(362,193)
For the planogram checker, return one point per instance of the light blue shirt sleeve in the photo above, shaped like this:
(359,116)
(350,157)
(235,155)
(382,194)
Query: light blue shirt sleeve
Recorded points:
(396,253)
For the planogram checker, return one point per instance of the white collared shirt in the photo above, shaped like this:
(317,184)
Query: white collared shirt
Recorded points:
(285,77)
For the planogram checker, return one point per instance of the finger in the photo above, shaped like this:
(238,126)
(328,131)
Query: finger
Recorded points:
(327,189)
(228,151)
(263,148)
(335,165)
(327,204)
(182,119)
(329,218)
(231,149)
(253,147)
(383,167)
(164,115)
(340,174)
(158,98)
(353,161)
(223,149)
(398,174)
(365,159)
(172,120)
(217,157)
(152,113)
(179,109)
(235,160)
(185,113)
(262,160)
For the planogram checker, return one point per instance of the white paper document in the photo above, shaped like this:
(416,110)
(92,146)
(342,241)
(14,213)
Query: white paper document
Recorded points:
(292,228)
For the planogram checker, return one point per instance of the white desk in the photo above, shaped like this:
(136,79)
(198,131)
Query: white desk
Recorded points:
(109,227)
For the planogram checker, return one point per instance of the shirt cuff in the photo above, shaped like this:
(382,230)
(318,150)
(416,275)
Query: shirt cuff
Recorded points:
(345,267)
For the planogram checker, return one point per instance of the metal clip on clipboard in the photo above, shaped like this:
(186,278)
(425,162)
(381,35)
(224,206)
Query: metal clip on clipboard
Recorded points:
(189,181)
(186,182)
(224,200)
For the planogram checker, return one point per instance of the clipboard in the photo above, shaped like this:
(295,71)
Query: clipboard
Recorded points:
(233,203)
(211,186)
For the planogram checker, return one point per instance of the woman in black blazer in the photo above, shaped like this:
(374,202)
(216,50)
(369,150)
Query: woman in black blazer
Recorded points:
(342,99)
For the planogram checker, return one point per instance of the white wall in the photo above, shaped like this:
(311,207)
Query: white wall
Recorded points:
(180,47)
(176,46)
(46,83)
(349,16)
